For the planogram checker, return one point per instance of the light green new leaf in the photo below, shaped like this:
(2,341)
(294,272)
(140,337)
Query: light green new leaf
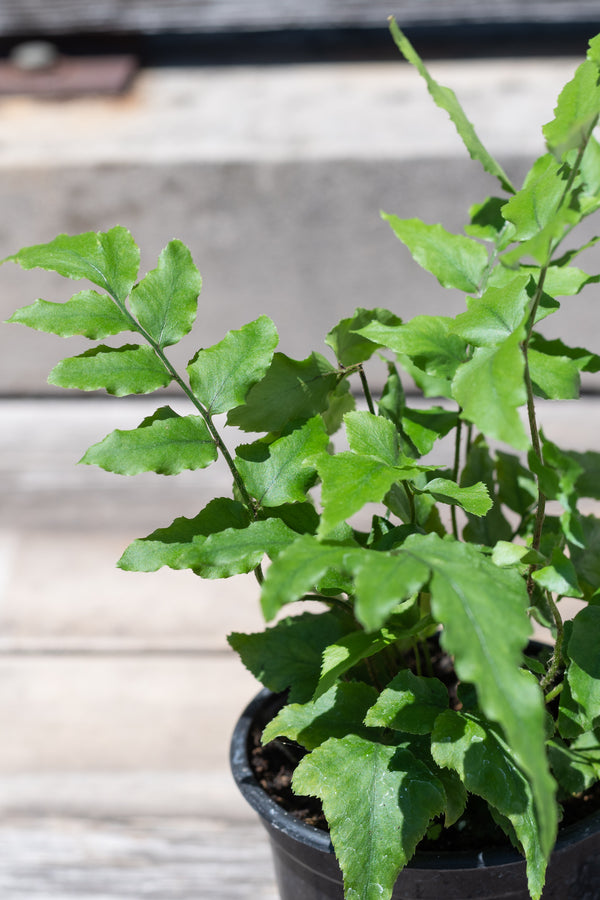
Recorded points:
(292,391)
(109,259)
(378,801)
(584,360)
(351,348)
(88,313)
(476,751)
(495,315)
(238,551)
(288,655)
(553,377)
(166,299)
(281,472)
(297,570)
(423,427)
(477,601)
(222,375)
(576,112)
(372,435)
(560,577)
(336,713)
(474,499)
(169,546)
(490,388)
(120,371)
(409,703)
(446,99)
(426,340)
(583,672)
(384,583)
(455,260)
(349,650)
(535,206)
(166,445)
(370,480)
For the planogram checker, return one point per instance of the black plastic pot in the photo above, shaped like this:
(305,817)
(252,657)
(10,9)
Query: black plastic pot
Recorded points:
(306,868)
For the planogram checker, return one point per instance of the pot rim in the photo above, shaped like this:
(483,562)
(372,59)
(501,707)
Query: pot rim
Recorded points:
(281,820)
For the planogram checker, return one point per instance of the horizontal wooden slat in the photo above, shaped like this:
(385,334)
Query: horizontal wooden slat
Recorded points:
(68,16)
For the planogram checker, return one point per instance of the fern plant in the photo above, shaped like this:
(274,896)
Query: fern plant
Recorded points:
(465,550)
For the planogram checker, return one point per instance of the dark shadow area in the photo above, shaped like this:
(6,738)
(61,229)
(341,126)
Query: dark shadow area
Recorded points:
(440,41)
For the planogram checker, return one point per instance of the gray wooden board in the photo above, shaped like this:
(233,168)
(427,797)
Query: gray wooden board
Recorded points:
(140,859)
(27,16)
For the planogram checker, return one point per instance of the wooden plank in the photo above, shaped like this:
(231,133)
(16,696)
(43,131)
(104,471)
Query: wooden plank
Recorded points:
(161,859)
(152,16)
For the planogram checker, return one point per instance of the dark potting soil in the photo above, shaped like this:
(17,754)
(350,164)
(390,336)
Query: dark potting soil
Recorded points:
(274,764)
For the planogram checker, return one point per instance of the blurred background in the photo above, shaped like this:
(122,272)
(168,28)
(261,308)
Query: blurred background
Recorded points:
(267,136)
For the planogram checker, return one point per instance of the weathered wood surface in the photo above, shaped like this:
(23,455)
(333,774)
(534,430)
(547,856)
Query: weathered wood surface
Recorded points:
(157,859)
(30,16)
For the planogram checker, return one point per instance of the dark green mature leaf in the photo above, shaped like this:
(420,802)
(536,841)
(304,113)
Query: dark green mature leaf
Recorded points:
(477,752)
(282,472)
(486,219)
(576,112)
(490,388)
(351,348)
(477,601)
(336,713)
(166,299)
(455,260)
(109,259)
(583,672)
(130,369)
(495,315)
(446,99)
(222,375)
(378,800)
(516,485)
(166,445)
(291,391)
(409,703)
(576,767)
(88,313)
(586,557)
(170,546)
(288,655)
(493,526)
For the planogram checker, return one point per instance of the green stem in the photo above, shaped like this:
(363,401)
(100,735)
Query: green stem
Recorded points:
(366,390)
(556,690)
(206,416)
(556,658)
(455,469)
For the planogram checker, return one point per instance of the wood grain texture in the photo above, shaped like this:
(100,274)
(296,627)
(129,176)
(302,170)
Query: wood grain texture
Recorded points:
(157,859)
(67,16)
